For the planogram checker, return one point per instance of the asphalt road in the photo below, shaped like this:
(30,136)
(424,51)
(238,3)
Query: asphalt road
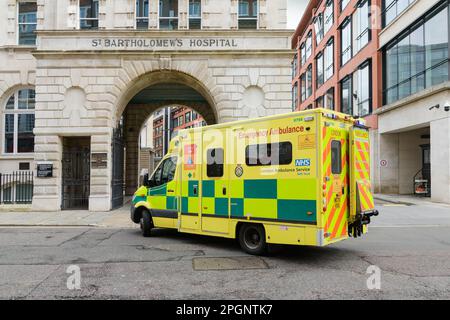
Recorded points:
(409,244)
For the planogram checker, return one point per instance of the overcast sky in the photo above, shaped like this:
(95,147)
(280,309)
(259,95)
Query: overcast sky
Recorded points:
(295,12)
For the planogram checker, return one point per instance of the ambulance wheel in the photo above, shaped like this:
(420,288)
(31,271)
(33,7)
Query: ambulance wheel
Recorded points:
(146,223)
(252,238)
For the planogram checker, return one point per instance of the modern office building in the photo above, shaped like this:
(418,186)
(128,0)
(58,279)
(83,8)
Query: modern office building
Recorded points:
(414,120)
(79,78)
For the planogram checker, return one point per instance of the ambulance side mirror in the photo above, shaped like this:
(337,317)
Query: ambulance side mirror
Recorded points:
(146,182)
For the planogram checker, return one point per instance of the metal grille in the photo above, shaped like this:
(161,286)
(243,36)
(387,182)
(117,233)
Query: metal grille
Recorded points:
(117,182)
(76,179)
(16,187)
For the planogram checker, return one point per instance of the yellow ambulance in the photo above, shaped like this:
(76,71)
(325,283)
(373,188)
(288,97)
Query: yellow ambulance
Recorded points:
(301,178)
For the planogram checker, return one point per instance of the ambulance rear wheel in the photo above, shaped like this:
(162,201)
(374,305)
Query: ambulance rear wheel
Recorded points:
(252,238)
(146,223)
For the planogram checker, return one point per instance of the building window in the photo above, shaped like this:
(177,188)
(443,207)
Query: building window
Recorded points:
(361,25)
(27,23)
(346,96)
(319,70)
(308,46)
(195,14)
(392,8)
(303,87)
(329,59)
(344,4)
(295,96)
(418,59)
(329,99)
(168,14)
(318,27)
(319,102)
(329,16)
(187,117)
(294,66)
(194,115)
(303,54)
(88,14)
(362,82)
(19,122)
(248,14)
(141,14)
(309,81)
(272,154)
(346,41)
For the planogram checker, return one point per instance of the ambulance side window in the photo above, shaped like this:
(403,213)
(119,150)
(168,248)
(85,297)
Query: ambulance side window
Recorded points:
(168,172)
(336,157)
(271,154)
(215,160)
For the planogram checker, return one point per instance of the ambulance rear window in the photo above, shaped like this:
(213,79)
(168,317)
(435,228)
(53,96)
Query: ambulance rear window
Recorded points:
(271,154)
(336,157)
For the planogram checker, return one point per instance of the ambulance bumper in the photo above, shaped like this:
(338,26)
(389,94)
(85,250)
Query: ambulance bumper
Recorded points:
(133,215)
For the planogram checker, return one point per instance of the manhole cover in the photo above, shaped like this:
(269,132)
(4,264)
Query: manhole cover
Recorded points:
(233,263)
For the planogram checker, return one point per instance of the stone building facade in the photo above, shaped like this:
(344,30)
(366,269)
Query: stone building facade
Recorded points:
(99,69)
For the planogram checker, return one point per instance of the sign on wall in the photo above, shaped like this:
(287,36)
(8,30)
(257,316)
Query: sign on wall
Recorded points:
(45,170)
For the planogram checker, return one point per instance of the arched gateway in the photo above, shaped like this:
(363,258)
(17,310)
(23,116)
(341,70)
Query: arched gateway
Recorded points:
(85,87)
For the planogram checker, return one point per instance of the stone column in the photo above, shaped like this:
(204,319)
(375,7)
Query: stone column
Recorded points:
(389,174)
(440,160)
(47,191)
(100,184)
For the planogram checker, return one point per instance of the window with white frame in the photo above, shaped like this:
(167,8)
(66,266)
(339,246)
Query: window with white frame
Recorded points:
(318,26)
(361,26)
(329,59)
(329,99)
(142,14)
(329,15)
(303,87)
(362,93)
(346,41)
(303,54)
(308,45)
(168,14)
(89,14)
(195,14)
(309,81)
(295,96)
(319,70)
(19,122)
(344,4)
(26,22)
(294,66)
(248,14)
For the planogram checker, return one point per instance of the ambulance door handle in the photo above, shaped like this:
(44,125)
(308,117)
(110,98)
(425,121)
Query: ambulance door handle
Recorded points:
(224,191)
(195,190)
(171,191)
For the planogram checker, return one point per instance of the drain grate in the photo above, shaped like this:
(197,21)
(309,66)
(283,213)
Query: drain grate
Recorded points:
(231,263)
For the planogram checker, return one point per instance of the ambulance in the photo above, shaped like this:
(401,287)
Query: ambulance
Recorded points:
(300,179)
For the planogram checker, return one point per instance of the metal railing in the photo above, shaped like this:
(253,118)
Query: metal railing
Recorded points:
(16,187)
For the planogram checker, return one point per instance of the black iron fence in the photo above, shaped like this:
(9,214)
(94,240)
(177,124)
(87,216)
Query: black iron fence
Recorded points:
(16,187)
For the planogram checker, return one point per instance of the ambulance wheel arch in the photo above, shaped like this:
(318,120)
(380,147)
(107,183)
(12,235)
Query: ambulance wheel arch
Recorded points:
(252,237)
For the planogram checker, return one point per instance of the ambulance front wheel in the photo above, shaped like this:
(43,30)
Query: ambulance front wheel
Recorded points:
(252,238)
(146,223)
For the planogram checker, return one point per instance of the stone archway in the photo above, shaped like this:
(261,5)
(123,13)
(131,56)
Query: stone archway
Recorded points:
(134,114)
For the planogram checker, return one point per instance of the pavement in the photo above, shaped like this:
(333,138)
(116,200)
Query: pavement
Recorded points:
(409,244)
(120,218)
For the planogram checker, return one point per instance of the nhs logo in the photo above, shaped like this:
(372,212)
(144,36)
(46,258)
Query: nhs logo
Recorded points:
(303,163)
